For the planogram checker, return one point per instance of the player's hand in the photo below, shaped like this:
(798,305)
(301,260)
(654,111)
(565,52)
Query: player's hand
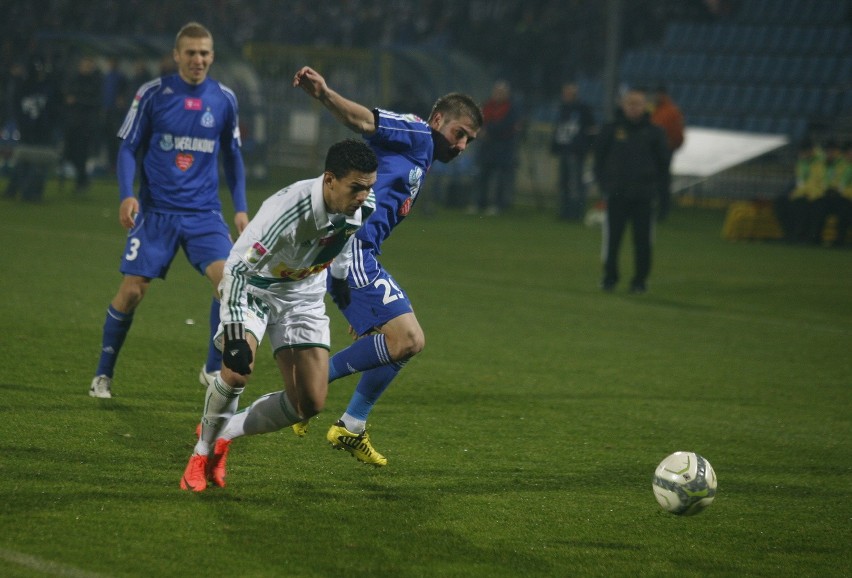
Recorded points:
(241,221)
(127,212)
(236,355)
(340,293)
(310,81)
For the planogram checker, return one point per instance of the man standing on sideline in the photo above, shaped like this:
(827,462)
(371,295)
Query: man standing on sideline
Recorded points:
(274,283)
(498,152)
(572,136)
(82,124)
(178,124)
(380,314)
(631,160)
(668,116)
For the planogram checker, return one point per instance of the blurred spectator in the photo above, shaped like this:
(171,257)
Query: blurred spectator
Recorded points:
(793,208)
(829,202)
(498,151)
(37,103)
(631,159)
(167,65)
(572,135)
(13,77)
(668,116)
(844,202)
(140,75)
(82,118)
(116,101)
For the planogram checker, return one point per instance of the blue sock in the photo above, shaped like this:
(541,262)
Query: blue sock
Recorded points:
(366,353)
(371,386)
(116,326)
(214,356)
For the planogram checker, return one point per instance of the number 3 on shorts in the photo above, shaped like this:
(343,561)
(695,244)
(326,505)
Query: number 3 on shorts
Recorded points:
(133,251)
(392,292)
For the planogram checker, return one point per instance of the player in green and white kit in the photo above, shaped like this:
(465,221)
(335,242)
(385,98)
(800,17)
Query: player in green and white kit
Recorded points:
(274,283)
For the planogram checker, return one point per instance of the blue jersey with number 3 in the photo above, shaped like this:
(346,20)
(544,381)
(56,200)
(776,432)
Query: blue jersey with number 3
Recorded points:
(180,129)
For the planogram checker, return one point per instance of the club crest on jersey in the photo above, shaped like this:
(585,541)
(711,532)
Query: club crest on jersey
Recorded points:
(167,142)
(415,178)
(184,161)
(254,254)
(207,120)
(192,104)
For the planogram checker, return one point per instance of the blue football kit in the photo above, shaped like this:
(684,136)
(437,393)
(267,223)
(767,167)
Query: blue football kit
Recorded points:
(179,129)
(404,147)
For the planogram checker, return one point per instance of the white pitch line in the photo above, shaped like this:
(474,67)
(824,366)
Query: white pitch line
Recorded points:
(45,566)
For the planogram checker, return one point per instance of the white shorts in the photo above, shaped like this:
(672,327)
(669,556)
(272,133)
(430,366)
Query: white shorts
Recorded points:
(293,314)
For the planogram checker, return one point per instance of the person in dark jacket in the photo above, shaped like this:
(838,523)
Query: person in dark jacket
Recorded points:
(498,151)
(82,118)
(572,136)
(37,101)
(631,160)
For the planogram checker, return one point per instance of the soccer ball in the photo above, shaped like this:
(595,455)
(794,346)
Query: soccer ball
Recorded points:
(684,483)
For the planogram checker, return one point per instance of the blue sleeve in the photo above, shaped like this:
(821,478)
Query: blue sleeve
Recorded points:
(125,169)
(235,176)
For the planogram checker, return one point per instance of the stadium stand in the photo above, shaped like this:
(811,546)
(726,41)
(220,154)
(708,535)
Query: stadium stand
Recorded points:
(774,66)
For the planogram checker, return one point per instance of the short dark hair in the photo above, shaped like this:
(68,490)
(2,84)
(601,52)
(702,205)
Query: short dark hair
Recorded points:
(192,30)
(350,155)
(457,105)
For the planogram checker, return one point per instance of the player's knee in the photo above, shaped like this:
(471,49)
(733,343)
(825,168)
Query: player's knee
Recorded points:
(130,294)
(234,379)
(407,345)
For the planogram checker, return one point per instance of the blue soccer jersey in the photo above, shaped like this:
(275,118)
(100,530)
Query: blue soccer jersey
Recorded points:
(403,145)
(180,129)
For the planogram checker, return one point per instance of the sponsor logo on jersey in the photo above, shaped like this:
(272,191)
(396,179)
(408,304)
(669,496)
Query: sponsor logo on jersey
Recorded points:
(282,271)
(168,90)
(192,104)
(187,143)
(184,161)
(207,120)
(254,253)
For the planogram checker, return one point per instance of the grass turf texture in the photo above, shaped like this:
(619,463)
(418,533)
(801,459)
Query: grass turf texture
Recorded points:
(522,441)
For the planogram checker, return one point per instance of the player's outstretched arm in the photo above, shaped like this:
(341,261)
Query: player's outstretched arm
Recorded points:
(355,116)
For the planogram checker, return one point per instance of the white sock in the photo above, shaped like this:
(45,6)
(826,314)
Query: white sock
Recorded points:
(220,403)
(353,424)
(268,413)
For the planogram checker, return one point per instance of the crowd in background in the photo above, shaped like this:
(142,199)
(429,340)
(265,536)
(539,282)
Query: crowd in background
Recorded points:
(532,44)
(532,47)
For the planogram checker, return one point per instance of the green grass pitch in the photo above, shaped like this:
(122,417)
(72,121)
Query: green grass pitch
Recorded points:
(522,441)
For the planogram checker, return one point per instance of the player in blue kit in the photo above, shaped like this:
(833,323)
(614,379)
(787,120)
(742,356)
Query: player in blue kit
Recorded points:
(178,125)
(380,312)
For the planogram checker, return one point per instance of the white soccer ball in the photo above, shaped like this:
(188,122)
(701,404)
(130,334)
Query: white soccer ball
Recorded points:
(684,483)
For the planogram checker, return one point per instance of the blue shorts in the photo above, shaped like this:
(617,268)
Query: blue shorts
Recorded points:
(153,243)
(378,300)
